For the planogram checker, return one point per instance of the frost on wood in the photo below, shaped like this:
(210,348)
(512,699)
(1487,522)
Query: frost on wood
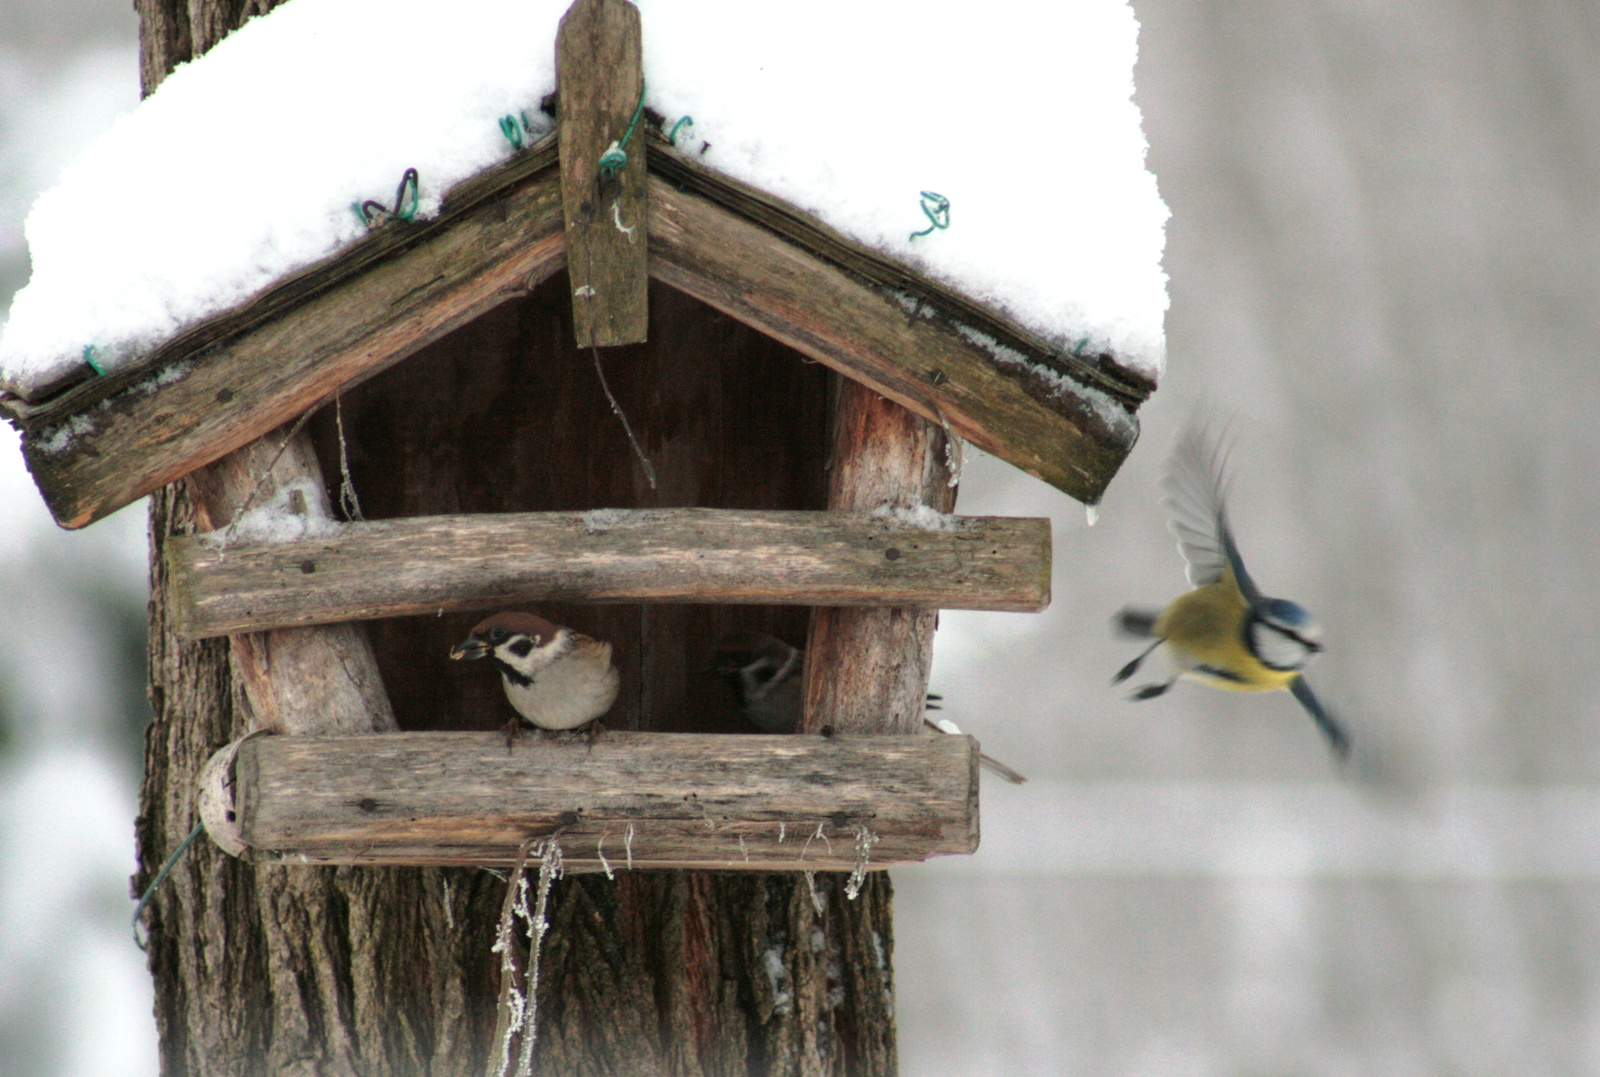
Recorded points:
(294,512)
(54,439)
(923,518)
(1068,242)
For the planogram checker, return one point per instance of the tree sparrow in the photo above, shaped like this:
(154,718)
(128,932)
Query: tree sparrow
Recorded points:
(764,673)
(555,678)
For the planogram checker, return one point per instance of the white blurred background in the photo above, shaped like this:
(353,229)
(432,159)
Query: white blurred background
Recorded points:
(1384,254)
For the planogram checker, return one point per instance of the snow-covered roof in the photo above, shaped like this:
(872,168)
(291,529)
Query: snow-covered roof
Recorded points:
(1019,112)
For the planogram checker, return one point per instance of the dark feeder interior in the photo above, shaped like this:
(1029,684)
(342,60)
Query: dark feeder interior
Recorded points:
(507,415)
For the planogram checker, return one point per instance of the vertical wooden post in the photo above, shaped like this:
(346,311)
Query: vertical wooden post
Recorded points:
(600,76)
(295,680)
(867,669)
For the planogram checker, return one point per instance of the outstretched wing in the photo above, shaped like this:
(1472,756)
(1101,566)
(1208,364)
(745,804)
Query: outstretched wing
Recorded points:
(1338,739)
(1195,487)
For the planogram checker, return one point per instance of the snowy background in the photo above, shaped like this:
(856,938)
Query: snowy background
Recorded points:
(1384,254)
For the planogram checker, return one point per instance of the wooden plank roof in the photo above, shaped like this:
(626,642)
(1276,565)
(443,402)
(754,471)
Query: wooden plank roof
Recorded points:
(99,443)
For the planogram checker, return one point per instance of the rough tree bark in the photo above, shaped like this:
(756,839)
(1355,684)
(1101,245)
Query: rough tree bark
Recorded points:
(283,970)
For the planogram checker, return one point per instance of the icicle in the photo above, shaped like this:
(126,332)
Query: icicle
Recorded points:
(865,840)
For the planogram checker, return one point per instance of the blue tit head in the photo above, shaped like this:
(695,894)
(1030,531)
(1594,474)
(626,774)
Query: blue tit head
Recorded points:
(1282,634)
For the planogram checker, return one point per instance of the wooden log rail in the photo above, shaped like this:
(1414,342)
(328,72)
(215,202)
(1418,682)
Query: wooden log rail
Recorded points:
(640,800)
(423,565)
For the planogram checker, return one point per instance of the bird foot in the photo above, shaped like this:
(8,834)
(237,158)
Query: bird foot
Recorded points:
(1128,670)
(1133,667)
(511,730)
(1150,691)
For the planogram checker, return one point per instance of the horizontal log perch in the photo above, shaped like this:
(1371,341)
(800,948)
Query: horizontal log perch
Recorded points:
(640,800)
(422,565)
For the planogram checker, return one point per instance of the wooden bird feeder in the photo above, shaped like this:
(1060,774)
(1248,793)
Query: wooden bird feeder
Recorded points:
(794,397)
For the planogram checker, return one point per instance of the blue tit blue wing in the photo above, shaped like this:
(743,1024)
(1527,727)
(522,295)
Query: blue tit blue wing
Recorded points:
(1338,739)
(1247,586)
(1195,487)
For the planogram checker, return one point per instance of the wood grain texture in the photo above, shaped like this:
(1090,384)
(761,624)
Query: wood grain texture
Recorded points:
(742,803)
(600,76)
(867,669)
(1006,402)
(199,408)
(429,564)
(318,680)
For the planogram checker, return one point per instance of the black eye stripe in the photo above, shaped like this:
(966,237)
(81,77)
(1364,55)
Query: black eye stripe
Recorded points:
(1289,633)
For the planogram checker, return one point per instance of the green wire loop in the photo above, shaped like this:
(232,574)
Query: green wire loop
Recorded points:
(372,210)
(518,129)
(88,357)
(513,132)
(936,207)
(686,121)
(411,182)
(615,159)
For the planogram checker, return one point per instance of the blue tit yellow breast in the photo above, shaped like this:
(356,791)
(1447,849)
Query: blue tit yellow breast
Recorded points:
(1205,629)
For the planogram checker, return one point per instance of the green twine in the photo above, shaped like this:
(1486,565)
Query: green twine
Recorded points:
(936,207)
(614,160)
(161,877)
(687,121)
(88,357)
(372,210)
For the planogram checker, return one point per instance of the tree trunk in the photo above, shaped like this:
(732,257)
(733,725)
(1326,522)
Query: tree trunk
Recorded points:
(267,969)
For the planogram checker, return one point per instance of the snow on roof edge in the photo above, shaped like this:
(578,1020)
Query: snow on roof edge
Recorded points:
(269,190)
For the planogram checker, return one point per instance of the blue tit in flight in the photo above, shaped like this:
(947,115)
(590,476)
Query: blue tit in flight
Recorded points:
(1225,632)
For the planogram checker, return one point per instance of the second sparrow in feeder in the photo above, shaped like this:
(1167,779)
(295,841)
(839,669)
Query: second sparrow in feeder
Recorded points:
(764,673)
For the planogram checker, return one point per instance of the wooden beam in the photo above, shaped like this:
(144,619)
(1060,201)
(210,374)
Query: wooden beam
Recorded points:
(301,681)
(206,402)
(601,79)
(422,565)
(867,669)
(1018,406)
(722,801)
(296,680)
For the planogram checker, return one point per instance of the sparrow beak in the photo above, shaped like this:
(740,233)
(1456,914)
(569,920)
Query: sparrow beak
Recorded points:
(469,648)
